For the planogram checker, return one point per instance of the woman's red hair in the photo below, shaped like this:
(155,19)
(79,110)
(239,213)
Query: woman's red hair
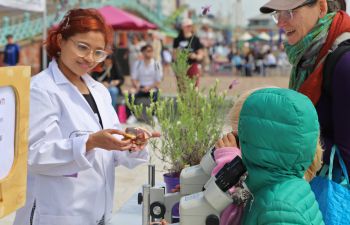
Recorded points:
(77,21)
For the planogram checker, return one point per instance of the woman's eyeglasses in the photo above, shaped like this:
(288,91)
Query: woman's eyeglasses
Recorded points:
(287,15)
(83,50)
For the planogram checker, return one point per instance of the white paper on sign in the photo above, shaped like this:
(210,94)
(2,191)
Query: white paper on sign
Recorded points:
(7,130)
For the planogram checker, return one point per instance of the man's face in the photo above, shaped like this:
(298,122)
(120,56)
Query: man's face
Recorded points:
(10,40)
(148,53)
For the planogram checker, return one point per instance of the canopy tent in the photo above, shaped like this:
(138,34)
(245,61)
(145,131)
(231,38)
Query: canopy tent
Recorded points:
(120,19)
(28,5)
(277,37)
(245,37)
(264,36)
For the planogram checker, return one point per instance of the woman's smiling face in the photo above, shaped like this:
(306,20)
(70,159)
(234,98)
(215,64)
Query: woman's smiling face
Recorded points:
(71,48)
(301,23)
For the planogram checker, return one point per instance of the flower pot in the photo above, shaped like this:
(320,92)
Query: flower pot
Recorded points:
(171,180)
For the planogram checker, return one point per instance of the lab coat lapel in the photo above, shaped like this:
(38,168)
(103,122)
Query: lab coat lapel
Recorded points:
(73,91)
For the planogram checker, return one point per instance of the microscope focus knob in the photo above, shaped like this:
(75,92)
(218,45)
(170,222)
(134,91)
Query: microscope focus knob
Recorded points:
(139,198)
(212,220)
(157,210)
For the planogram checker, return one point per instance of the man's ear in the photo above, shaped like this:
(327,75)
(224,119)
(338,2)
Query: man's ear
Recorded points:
(323,8)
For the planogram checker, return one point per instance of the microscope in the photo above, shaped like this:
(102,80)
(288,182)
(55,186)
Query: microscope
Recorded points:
(203,207)
(193,179)
(157,204)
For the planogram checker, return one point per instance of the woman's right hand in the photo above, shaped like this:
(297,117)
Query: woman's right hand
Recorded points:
(106,140)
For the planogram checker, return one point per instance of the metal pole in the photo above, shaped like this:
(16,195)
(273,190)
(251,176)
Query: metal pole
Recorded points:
(146,204)
(44,53)
(151,174)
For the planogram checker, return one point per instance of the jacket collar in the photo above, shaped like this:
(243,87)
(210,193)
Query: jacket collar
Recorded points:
(312,86)
(60,78)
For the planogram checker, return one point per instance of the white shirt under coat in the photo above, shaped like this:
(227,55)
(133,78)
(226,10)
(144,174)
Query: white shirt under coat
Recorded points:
(147,74)
(69,185)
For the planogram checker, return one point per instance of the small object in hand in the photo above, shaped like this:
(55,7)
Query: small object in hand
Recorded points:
(139,135)
(128,136)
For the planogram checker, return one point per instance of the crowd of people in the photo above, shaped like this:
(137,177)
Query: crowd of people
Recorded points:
(75,138)
(209,55)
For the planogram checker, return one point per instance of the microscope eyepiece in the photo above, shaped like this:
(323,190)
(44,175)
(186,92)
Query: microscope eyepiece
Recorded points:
(230,174)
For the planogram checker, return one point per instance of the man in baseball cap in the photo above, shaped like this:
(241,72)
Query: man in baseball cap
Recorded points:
(274,5)
(186,22)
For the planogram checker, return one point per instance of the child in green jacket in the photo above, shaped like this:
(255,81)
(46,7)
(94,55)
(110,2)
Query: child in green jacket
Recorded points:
(278,132)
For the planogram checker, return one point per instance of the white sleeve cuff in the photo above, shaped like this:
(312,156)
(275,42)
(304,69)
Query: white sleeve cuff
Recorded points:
(79,151)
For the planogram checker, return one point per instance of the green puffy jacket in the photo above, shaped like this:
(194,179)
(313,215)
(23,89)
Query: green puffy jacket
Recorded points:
(278,133)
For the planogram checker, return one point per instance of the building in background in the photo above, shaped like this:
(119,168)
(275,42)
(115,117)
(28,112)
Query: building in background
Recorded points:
(238,18)
(166,7)
(262,23)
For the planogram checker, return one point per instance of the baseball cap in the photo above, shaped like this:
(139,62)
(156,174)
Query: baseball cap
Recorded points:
(274,5)
(186,22)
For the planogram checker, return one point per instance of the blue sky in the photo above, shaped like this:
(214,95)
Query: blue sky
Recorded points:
(250,7)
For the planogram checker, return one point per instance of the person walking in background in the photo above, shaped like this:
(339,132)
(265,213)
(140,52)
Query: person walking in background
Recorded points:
(207,39)
(167,59)
(134,50)
(313,32)
(75,139)
(188,40)
(153,39)
(249,65)
(11,52)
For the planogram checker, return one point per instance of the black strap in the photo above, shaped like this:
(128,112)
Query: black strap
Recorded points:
(90,99)
(32,213)
(330,63)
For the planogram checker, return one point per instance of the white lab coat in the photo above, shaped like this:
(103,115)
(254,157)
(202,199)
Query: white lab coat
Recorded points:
(70,186)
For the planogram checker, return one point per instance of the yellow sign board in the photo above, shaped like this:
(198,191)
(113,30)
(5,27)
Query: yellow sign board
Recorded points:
(14,122)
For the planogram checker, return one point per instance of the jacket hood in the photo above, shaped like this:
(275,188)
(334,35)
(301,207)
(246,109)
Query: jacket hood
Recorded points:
(278,131)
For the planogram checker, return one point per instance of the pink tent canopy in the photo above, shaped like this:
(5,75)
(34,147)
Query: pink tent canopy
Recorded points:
(123,20)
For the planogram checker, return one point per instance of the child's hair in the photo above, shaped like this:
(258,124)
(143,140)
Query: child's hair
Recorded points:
(236,109)
(316,163)
(234,119)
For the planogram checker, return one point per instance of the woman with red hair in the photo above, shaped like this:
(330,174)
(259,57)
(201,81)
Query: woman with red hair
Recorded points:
(75,139)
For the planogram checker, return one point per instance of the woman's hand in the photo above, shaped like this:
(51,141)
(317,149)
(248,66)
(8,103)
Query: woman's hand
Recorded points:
(229,140)
(104,139)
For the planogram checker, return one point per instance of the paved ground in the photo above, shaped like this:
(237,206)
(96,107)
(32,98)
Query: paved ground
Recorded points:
(168,85)
(130,181)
